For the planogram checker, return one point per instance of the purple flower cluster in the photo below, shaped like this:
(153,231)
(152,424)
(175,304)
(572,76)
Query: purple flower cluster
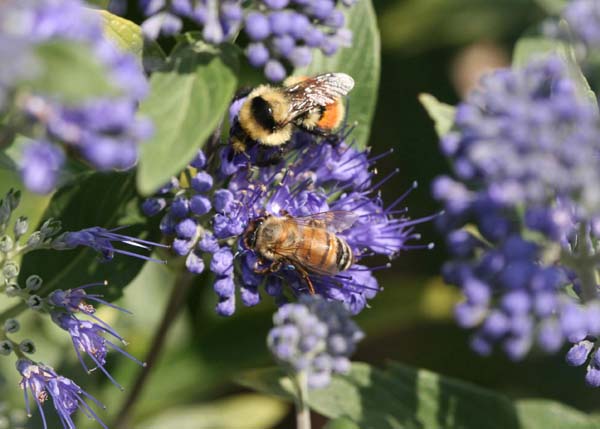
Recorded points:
(285,33)
(41,382)
(220,19)
(583,17)
(88,336)
(281,33)
(521,217)
(105,132)
(209,208)
(315,337)
(71,309)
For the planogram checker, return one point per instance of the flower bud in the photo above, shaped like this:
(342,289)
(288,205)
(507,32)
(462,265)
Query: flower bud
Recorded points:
(33,283)
(35,302)
(34,240)
(13,198)
(50,227)
(4,213)
(11,326)
(12,290)
(6,244)
(10,270)
(6,347)
(21,227)
(27,346)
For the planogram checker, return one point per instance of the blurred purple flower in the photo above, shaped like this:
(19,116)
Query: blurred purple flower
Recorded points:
(519,219)
(315,337)
(104,131)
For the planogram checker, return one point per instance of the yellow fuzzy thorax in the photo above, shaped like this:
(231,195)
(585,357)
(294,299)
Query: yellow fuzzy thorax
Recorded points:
(279,105)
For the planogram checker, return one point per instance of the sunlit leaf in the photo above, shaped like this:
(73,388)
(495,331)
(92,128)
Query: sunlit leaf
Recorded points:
(186,104)
(441,113)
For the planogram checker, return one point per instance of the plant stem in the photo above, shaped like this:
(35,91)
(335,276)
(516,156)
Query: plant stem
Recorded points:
(301,400)
(585,265)
(176,300)
(13,311)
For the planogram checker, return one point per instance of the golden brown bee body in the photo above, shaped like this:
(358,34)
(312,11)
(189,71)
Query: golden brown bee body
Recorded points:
(308,243)
(269,114)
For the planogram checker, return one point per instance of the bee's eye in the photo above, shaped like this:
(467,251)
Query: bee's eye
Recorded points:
(263,113)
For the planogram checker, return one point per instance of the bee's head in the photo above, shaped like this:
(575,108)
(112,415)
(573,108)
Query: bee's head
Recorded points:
(249,236)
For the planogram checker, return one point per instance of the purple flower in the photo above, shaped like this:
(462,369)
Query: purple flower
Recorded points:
(42,382)
(40,166)
(89,337)
(220,19)
(284,34)
(314,177)
(519,215)
(315,337)
(583,17)
(101,240)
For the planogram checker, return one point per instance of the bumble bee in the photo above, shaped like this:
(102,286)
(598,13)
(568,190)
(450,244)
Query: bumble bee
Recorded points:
(269,114)
(308,243)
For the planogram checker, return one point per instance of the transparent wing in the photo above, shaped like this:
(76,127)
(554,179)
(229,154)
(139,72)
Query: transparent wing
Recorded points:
(317,91)
(334,220)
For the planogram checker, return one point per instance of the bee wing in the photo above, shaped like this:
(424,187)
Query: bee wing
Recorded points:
(334,220)
(317,91)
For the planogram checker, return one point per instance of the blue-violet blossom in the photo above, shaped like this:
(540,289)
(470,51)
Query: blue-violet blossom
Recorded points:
(42,382)
(521,217)
(281,34)
(315,337)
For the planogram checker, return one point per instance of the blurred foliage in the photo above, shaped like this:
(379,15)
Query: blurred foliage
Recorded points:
(401,397)
(416,26)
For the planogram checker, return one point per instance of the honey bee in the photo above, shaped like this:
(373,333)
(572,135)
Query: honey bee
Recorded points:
(308,243)
(269,114)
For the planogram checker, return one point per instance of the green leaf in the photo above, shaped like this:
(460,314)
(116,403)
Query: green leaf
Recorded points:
(186,104)
(405,398)
(244,410)
(341,423)
(129,37)
(531,48)
(362,62)
(68,71)
(99,3)
(546,414)
(552,7)
(441,113)
(96,200)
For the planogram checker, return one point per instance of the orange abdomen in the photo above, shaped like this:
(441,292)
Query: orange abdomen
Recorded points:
(319,250)
(332,116)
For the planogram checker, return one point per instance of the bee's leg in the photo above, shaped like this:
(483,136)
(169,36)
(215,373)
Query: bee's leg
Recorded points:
(306,278)
(261,267)
(275,266)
